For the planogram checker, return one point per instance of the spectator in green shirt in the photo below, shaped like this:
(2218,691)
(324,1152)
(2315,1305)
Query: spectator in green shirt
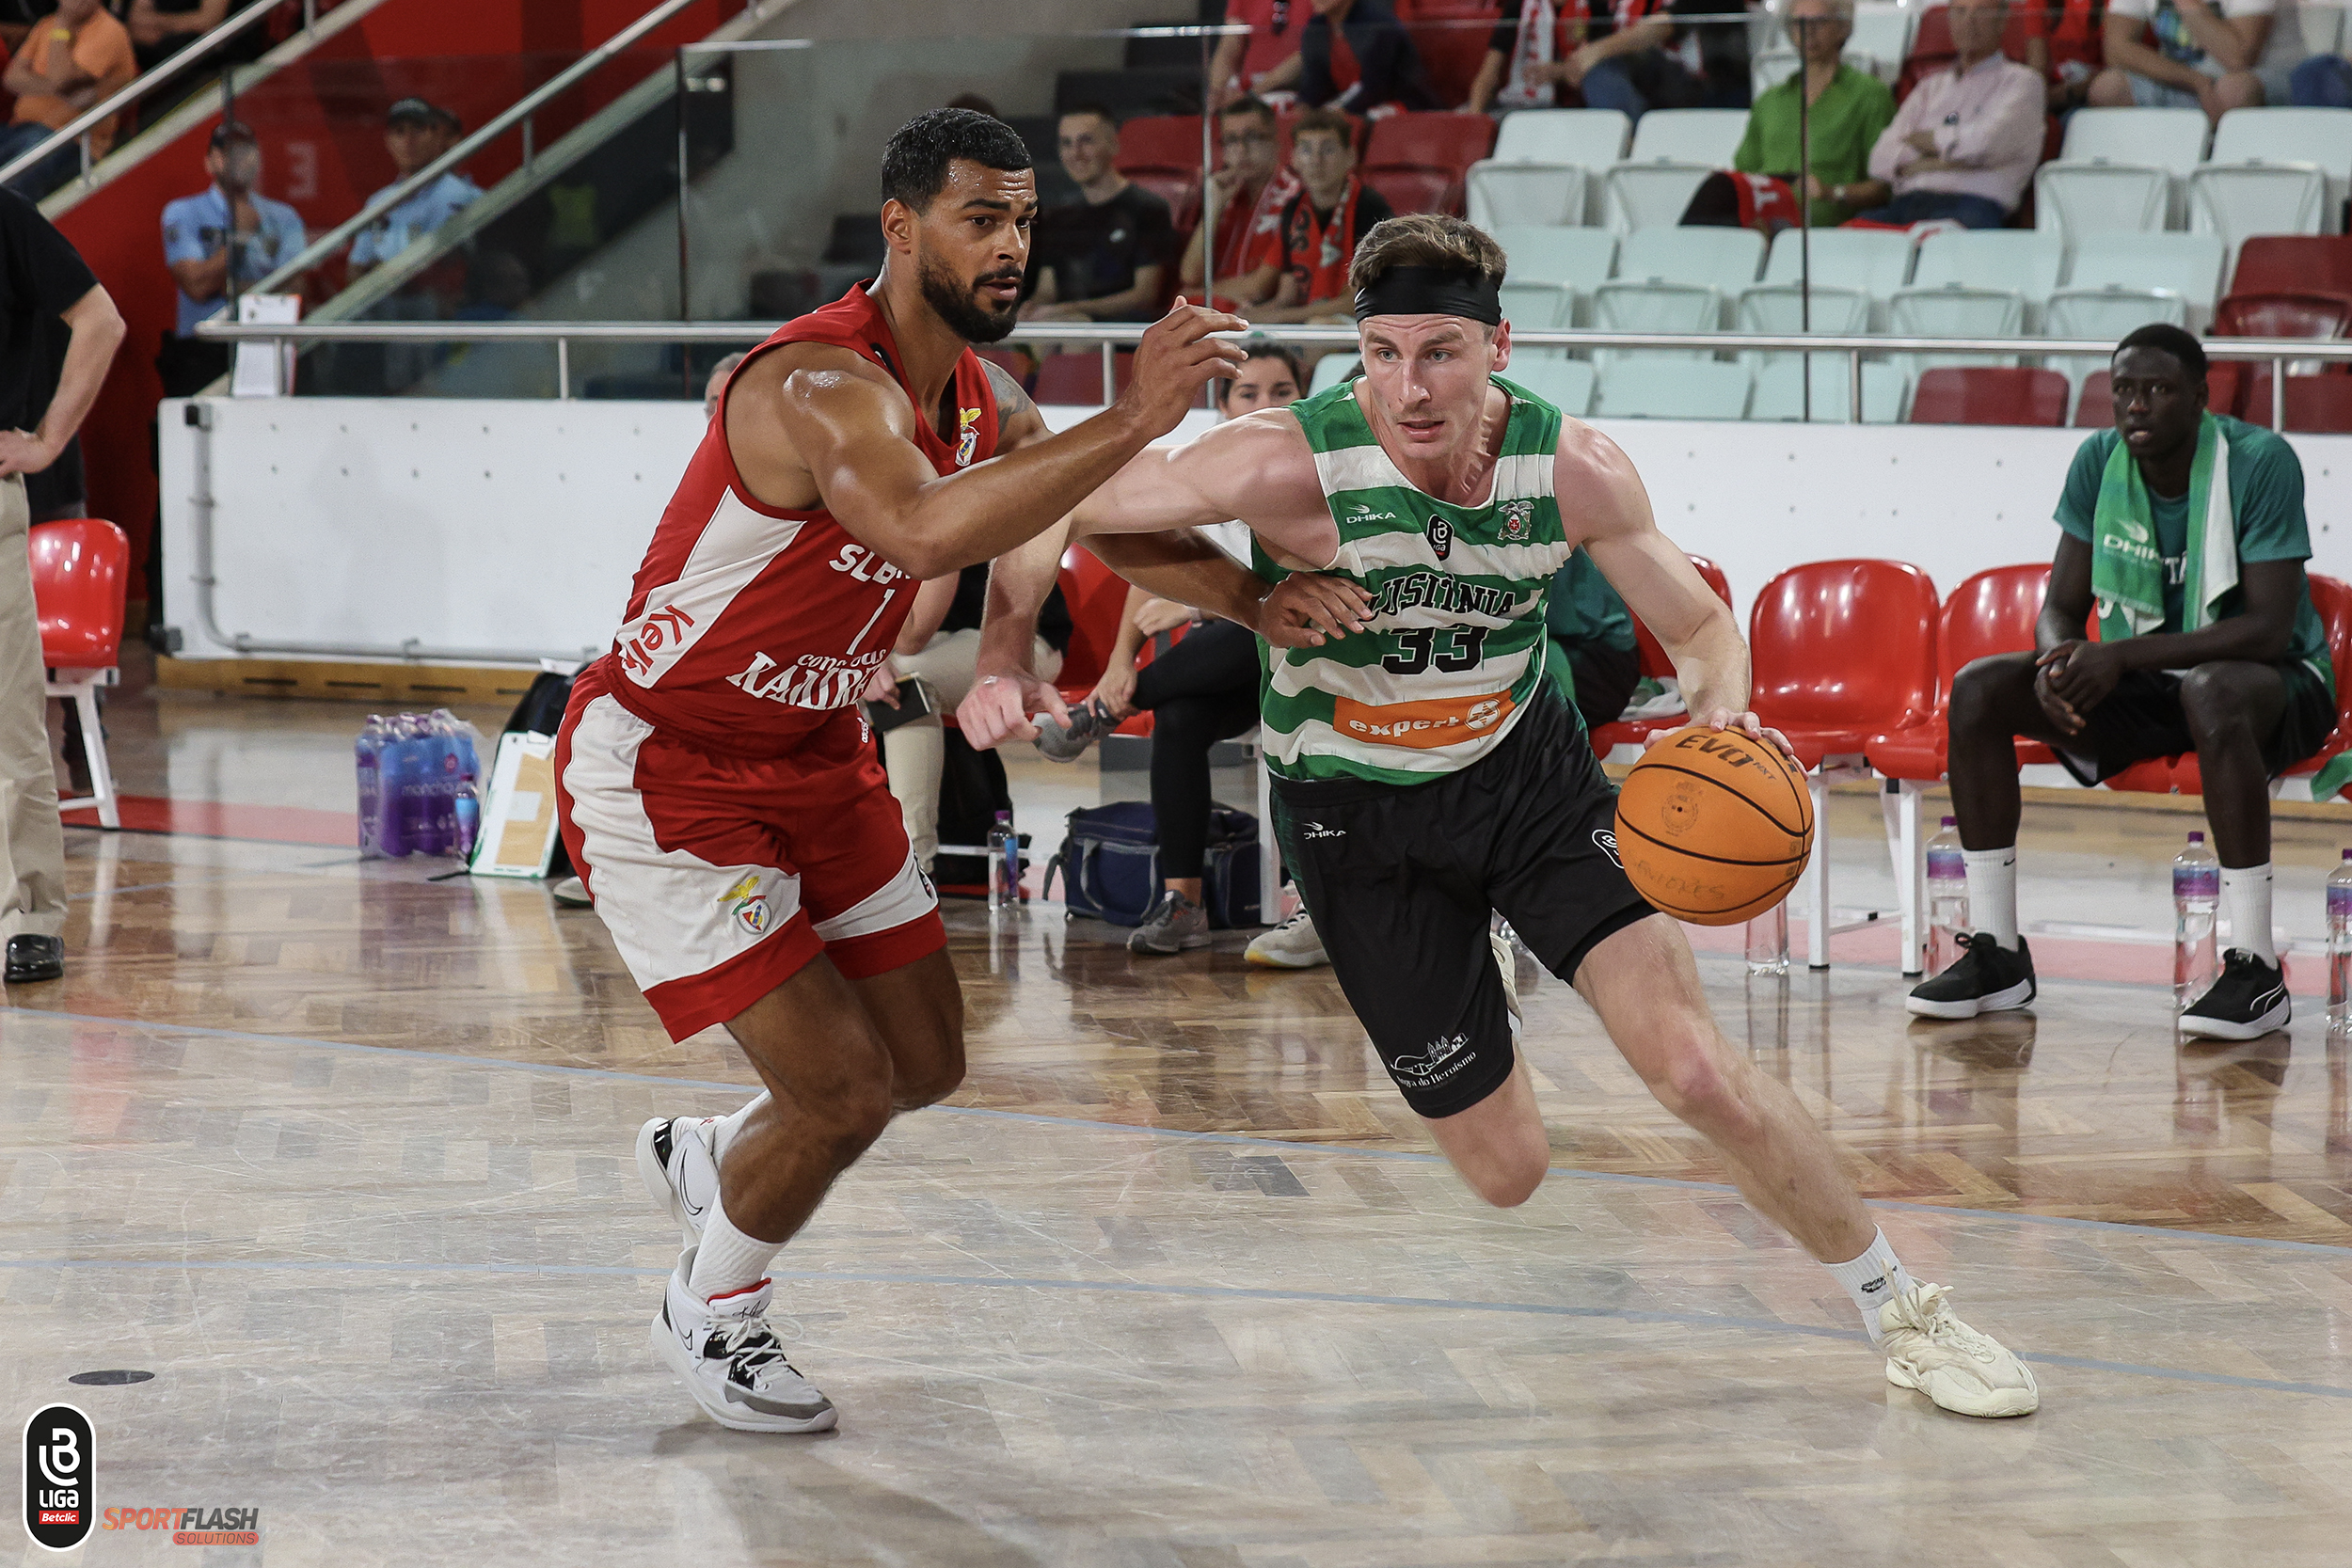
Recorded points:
(1848,109)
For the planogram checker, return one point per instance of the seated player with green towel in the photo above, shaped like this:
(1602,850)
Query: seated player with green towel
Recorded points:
(2185,530)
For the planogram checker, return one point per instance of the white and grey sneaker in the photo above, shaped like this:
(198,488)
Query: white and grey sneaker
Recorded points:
(731,1363)
(1930,1349)
(677,1160)
(1088,723)
(571,893)
(1292,944)
(1175,924)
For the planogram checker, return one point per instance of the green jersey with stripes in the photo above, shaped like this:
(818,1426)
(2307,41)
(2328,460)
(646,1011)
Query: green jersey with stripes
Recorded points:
(1454,646)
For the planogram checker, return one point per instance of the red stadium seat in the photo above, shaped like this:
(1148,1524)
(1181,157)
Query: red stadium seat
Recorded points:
(1988,394)
(2292,264)
(1077,378)
(1422,159)
(1179,187)
(1453,45)
(2298,313)
(81,570)
(1160,141)
(1656,665)
(2316,404)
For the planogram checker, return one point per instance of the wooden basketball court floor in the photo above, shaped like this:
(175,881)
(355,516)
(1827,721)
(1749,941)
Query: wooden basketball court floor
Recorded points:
(341,1156)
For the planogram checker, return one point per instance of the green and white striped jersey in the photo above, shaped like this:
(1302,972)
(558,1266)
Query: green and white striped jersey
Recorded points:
(1455,644)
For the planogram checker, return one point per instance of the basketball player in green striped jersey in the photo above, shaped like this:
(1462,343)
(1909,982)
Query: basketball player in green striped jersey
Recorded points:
(1428,775)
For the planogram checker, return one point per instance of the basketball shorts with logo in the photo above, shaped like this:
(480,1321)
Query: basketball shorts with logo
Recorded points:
(721,877)
(1401,880)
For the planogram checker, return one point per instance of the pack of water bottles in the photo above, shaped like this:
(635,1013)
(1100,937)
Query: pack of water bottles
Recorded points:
(419,785)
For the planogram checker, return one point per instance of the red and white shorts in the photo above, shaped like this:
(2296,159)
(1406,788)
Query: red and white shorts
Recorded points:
(719,877)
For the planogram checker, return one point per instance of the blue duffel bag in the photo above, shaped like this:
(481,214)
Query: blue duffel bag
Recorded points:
(1110,864)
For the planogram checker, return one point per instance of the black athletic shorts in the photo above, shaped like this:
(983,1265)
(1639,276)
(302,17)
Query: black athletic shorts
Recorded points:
(1401,880)
(2142,717)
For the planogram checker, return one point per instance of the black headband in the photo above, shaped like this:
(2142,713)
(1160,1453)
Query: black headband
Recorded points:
(1433,292)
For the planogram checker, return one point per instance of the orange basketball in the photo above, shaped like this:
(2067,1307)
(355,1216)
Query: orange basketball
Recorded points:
(1714,825)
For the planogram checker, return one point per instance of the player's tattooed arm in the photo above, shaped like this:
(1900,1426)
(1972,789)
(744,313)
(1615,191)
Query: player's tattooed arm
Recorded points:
(1018,422)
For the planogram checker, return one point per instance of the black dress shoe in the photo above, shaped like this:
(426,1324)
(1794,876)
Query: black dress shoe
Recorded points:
(32,959)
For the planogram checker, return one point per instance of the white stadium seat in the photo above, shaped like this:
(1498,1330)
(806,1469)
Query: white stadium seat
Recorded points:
(1954,312)
(1873,262)
(1573,261)
(1565,384)
(1882,34)
(2235,201)
(1332,370)
(2072,200)
(2322,138)
(1651,388)
(1780,391)
(1546,167)
(1726,259)
(1708,136)
(2185,265)
(1651,195)
(2023,261)
(1541,306)
(1641,306)
(2171,139)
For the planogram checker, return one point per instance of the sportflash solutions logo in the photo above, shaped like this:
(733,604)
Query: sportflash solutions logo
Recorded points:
(192,1527)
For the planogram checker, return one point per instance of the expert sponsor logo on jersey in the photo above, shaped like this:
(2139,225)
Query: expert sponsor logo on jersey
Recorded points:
(1440,721)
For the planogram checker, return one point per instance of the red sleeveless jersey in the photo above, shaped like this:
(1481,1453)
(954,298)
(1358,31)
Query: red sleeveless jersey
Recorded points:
(749,627)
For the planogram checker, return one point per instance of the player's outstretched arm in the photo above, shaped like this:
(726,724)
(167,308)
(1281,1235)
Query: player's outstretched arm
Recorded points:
(1655,580)
(853,431)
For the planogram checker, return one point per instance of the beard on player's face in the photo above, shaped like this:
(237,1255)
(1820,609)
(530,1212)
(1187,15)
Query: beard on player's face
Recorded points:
(971,315)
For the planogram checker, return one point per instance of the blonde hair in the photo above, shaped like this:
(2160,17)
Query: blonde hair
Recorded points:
(1423,240)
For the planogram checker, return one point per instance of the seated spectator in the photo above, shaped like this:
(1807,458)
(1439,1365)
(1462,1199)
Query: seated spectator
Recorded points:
(1249,190)
(415,132)
(230,231)
(2062,48)
(939,644)
(1105,257)
(717,381)
(1592,656)
(2235,55)
(1298,272)
(2208,643)
(1201,690)
(1264,59)
(1389,67)
(1638,58)
(1848,109)
(1964,143)
(1525,52)
(71,60)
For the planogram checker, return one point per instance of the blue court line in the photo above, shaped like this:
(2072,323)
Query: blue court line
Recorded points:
(1245,1139)
(1209,1293)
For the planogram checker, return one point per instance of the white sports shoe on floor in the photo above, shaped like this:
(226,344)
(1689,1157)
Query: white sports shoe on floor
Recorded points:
(677,1160)
(729,1361)
(1292,944)
(1930,1349)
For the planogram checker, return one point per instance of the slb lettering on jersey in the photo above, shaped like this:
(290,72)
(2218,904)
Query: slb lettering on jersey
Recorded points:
(864,565)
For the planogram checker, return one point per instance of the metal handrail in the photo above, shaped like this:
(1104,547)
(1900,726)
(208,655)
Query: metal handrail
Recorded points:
(139,87)
(522,108)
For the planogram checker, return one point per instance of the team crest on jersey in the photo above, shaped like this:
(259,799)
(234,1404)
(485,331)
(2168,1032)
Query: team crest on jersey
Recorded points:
(1518,519)
(968,441)
(1440,537)
(750,905)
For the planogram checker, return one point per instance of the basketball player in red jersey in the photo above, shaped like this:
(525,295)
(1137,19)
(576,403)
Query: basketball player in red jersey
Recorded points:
(718,788)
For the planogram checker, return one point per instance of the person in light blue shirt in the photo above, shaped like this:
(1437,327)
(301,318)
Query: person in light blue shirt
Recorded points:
(230,226)
(415,132)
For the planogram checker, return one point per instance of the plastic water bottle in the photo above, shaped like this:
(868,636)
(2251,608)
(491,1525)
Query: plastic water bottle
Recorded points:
(1947,899)
(2339,945)
(468,804)
(391,800)
(1004,865)
(2196,898)
(368,757)
(1768,941)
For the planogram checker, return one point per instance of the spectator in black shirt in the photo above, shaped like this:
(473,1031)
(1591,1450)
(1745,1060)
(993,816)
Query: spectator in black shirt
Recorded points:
(42,281)
(1388,67)
(1104,259)
(1640,60)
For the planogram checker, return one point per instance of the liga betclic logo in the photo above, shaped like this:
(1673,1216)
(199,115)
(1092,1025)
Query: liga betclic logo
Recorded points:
(60,1475)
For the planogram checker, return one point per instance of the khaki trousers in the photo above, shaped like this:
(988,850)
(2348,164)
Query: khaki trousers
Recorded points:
(917,751)
(32,840)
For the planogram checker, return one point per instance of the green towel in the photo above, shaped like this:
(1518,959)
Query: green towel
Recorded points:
(2127,560)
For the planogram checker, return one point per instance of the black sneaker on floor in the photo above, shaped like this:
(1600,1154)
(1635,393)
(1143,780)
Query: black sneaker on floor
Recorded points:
(1987,978)
(2247,1002)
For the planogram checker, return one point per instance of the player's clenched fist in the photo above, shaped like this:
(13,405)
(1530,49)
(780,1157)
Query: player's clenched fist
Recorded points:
(1307,607)
(999,706)
(1176,358)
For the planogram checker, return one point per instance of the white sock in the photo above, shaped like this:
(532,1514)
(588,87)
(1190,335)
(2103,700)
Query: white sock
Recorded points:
(726,1259)
(1993,892)
(729,1126)
(2246,905)
(1872,1279)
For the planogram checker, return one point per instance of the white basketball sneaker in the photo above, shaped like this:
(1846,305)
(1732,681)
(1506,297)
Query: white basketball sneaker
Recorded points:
(679,1161)
(729,1361)
(1292,944)
(1930,1349)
